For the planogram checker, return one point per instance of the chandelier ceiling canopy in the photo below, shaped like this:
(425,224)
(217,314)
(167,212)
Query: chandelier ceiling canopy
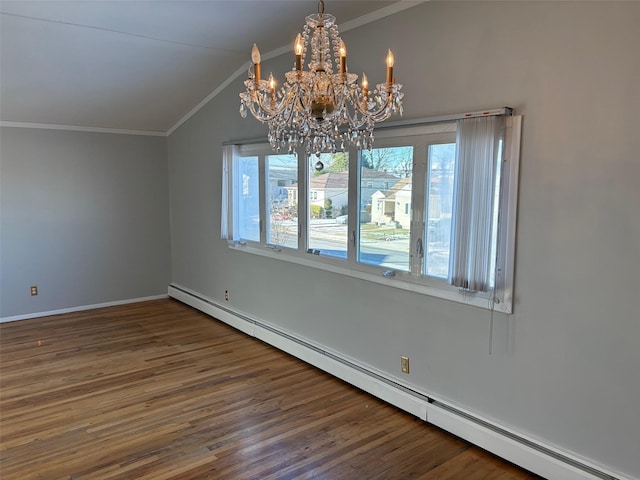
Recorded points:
(322,108)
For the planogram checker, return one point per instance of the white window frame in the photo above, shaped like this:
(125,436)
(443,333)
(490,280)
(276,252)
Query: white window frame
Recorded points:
(499,299)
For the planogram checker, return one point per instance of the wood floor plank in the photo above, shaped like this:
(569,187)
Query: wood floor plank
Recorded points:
(157,390)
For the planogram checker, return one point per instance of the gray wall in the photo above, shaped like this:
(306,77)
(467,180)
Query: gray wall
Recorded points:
(564,367)
(84,217)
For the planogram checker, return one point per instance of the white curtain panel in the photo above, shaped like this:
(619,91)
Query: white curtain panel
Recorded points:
(477,170)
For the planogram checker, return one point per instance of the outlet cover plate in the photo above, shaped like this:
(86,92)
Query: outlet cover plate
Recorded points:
(404,364)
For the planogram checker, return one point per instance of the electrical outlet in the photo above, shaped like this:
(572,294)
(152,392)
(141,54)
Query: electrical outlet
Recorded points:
(34,290)
(404,364)
(226,295)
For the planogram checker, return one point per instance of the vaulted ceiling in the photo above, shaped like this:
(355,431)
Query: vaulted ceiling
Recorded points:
(139,65)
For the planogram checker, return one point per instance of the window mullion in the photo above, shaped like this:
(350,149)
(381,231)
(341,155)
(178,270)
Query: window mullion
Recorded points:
(354,205)
(419,192)
(303,195)
(264,200)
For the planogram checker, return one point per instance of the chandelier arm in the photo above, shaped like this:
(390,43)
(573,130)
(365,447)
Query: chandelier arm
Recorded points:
(359,105)
(267,114)
(356,123)
(260,114)
(270,109)
(386,99)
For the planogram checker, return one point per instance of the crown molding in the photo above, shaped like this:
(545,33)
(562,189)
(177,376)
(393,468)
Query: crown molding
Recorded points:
(78,128)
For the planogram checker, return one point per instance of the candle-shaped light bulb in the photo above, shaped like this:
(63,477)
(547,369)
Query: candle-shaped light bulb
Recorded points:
(343,57)
(255,54)
(255,58)
(390,61)
(365,90)
(272,88)
(297,48)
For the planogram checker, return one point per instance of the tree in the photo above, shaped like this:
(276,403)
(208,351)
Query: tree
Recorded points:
(316,211)
(405,167)
(339,162)
(328,208)
(333,163)
(376,159)
(394,160)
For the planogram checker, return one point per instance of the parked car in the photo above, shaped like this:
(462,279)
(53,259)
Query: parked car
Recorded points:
(343,219)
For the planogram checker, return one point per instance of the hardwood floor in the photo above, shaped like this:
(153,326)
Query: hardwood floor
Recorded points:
(157,391)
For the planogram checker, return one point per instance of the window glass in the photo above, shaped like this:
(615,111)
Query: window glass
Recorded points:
(247,194)
(440,176)
(282,202)
(385,206)
(328,204)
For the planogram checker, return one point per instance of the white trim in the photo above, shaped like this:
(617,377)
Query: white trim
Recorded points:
(80,308)
(345,27)
(509,208)
(78,128)
(524,451)
(417,122)
(477,300)
(528,457)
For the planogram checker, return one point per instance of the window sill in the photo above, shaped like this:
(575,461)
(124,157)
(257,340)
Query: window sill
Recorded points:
(475,299)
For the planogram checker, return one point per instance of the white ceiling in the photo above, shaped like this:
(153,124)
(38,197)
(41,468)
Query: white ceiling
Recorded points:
(139,65)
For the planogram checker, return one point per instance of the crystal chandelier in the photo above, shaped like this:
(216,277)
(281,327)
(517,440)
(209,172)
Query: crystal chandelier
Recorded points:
(318,108)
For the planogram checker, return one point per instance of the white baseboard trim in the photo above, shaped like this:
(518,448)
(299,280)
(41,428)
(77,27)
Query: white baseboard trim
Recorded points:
(81,308)
(525,453)
(530,454)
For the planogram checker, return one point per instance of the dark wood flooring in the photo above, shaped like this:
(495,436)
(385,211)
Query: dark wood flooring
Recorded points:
(157,390)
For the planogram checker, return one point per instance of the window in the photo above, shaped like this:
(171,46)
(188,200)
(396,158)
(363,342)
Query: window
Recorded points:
(440,176)
(329,200)
(282,207)
(247,197)
(430,209)
(386,232)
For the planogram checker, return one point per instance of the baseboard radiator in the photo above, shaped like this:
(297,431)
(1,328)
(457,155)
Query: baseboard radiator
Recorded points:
(527,453)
